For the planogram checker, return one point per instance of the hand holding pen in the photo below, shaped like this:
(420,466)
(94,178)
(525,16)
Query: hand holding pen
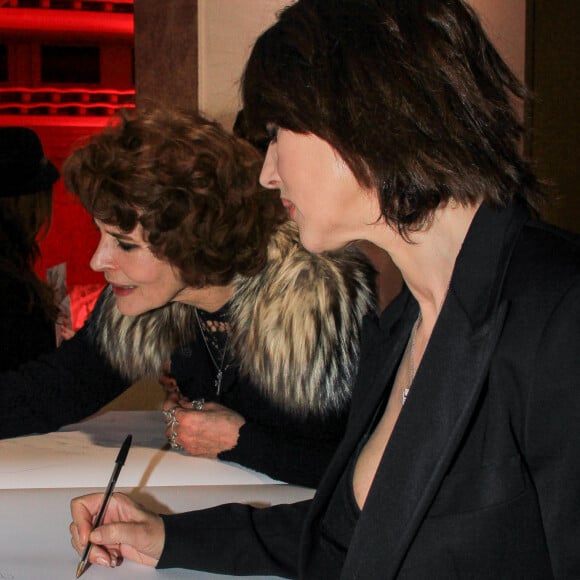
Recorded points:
(127,530)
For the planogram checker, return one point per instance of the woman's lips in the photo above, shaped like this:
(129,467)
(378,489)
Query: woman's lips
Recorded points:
(121,291)
(290,207)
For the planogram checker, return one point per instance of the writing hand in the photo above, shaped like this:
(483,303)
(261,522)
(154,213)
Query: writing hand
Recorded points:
(128,530)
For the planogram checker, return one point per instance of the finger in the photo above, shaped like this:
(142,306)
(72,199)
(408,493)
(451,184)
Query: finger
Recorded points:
(185,403)
(171,396)
(83,511)
(170,401)
(97,554)
(75,538)
(179,412)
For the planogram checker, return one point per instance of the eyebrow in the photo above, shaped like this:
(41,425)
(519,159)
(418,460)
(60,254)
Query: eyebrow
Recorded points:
(119,236)
(124,237)
(116,235)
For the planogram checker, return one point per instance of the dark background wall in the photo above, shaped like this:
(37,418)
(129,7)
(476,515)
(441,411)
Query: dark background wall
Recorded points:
(553,72)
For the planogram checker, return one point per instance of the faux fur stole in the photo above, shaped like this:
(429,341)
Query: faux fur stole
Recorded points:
(294,327)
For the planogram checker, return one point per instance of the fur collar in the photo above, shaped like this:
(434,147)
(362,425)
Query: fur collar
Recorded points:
(295,326)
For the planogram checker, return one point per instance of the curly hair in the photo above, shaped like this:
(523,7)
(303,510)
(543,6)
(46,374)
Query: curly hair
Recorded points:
(192,186)
(411,94)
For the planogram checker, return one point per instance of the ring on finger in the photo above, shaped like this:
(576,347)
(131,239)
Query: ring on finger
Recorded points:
(197,404)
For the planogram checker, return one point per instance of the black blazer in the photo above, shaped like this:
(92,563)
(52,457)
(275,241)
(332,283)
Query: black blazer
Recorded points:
(481,476)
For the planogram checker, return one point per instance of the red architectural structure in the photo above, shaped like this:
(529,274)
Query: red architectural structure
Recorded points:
(65,67)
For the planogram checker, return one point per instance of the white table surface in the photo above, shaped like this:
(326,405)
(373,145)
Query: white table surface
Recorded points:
(83,455)
(40,474)
(35,541)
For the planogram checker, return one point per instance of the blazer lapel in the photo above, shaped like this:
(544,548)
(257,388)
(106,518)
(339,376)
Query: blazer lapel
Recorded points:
(424,441)
(379,367)
(381,350)
(442,400)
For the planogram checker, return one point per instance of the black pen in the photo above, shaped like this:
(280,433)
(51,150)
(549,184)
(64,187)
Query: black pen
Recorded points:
(119,462)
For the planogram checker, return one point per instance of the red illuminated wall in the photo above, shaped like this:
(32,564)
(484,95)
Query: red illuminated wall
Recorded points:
(65,68)
(71,239)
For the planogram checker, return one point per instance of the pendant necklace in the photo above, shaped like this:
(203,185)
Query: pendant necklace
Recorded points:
(219,368)
(411,359)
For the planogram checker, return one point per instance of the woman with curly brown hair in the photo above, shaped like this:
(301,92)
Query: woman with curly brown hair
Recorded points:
(206,282)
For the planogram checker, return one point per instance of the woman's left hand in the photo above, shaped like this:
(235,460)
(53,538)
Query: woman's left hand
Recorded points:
(204,429)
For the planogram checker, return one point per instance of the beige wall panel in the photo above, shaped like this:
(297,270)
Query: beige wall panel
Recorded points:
(505,23)
(228,28)
(227,31)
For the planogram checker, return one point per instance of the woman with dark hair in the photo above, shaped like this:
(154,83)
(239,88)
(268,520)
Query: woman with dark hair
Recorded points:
(28,313)
(391,121)
(206,281)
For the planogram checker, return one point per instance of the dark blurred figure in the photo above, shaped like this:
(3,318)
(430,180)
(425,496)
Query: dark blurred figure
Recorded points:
(27,309)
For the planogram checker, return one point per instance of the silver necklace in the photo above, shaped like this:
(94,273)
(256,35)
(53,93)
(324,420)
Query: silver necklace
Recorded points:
(219,369)
(411,359)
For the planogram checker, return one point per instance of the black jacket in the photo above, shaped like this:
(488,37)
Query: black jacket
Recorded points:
(481,476)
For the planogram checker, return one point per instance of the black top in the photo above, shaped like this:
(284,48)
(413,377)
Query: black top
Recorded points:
(25,331)
(288,447)
(481,476)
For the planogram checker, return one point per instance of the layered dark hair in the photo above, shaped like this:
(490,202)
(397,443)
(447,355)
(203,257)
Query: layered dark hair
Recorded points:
(192,187)
(24,220)
(410,93)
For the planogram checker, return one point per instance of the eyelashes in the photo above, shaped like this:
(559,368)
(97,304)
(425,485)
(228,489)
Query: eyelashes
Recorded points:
(125,246)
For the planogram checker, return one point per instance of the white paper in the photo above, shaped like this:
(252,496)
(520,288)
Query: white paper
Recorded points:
(35,541)
(83,455)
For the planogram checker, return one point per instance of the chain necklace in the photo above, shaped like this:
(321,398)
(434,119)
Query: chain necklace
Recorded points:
(219,368)
(411,359)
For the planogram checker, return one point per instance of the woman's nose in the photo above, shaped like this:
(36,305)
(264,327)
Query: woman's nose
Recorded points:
(102,258)
(269,177)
